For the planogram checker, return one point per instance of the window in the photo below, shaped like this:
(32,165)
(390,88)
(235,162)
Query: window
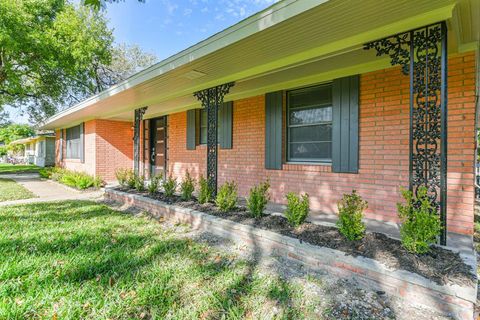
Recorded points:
(309,124)
(73,142)
(203,126)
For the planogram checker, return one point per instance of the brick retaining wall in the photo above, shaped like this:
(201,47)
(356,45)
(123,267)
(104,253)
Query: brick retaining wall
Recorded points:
(454,300)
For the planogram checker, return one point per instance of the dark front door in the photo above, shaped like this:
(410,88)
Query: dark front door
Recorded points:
(158,146)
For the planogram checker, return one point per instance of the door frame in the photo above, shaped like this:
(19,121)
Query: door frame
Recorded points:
(153,144)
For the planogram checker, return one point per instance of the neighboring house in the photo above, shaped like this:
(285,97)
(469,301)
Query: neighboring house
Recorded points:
(309,98)
(38,150)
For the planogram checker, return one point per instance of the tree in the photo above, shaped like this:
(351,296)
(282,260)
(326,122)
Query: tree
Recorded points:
(49,50)
(97,4)
(12,132)
(126,61)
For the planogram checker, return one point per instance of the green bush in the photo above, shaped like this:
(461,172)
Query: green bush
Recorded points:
(154,183)
(75,179)
(206,193)
(139,182)
(123,176)
(257,199)
(297,208)
(420,222)
(187,187)
(131,179)
(46,173)
(169,186)
(350,214)
(227,197)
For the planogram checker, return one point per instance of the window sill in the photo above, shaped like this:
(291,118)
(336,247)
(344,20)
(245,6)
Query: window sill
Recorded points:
(72,160)
(306,166)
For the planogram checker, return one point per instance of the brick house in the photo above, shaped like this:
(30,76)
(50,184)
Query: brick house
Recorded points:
(317,96)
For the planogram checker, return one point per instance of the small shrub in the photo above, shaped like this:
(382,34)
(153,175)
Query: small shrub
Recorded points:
(420,223)
(123,176)
(297,208)
(350,210)
(187,187)
(57,173)
(131,179)
(46,173)
(227,197)
(98,182)
(154,183)
(258,199)
(206,193)
(139,183)
(169,186)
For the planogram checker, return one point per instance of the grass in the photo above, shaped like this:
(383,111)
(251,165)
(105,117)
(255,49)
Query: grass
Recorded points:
(80,259)
(10,190)
(17,168)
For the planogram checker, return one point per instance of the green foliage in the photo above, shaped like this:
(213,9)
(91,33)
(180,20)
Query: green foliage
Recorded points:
(14,132)
(206,193)
(50,50)
(154,183)
(3,151)
(131,179)
(420,222)
(139,182)
(97,4)
(46,173)
(350,210)
(227,197)
(258,199)
(187,187)
(124,176)
(78,180)
(297,208)
(169,186)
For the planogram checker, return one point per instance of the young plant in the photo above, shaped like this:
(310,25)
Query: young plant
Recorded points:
(139,183)
(257,199)
(169,186)
(123,175)
(297,208)
(187,187)
(420,222)
(206,193)
(131,179)
(350,210)
(154,184)
(227,197)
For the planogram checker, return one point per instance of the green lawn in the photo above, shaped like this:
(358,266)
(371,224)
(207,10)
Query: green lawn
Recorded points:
(17,168)
(72,260)
(10,190)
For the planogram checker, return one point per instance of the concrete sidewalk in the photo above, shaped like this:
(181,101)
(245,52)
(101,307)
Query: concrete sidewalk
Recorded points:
(47,190)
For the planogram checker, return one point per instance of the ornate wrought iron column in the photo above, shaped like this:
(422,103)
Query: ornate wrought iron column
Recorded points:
(211,99)
(136,138)
(422,54)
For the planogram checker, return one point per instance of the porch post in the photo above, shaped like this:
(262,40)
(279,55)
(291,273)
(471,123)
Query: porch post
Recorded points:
(422,53)
(211,99)
(136,138)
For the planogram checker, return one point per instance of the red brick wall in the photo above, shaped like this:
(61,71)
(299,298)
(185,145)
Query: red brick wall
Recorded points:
(384,159)
(114,147)
(108,146)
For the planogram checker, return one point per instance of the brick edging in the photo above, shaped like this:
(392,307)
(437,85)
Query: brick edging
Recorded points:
(454,300)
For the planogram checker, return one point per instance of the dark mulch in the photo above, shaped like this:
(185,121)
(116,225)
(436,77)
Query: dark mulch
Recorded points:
(440,265)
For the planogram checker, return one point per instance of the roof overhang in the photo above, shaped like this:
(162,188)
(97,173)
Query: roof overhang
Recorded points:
(290,44)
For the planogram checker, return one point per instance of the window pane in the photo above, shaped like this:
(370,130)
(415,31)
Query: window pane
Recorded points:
(322,132)
(73,142)
(310,151)
(203,127)
(203,135)
(313,96)
(310,116)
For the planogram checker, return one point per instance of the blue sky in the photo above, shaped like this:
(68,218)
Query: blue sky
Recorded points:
(165,27)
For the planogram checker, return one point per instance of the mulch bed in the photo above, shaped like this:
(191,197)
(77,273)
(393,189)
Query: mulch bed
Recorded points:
(439,265)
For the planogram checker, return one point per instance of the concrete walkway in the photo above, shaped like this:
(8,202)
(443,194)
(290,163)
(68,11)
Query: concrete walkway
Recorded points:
(47,190)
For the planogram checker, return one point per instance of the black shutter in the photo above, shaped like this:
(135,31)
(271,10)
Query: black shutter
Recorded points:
(225,116)
(82,142)
(273,130)
(191,129)
(345,124)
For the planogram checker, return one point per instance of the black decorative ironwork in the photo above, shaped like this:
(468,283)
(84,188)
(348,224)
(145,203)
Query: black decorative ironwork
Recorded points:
(211,99)
(422,54)
(136,138)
